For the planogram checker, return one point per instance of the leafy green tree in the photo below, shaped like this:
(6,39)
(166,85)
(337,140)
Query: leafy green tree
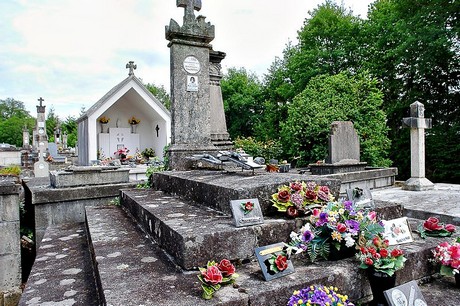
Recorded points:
(70,127)
(329,42)
(52,120)
(13,118)
(160,93)
(413,49)
(241,92)
(341,97)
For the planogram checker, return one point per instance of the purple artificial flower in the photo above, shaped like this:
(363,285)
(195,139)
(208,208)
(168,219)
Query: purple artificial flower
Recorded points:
(323,196)
(308,236)
(322,219)
(348,205)
(297,199)
(353,226)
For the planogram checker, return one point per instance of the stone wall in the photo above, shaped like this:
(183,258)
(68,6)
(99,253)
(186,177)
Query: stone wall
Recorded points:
(10,248)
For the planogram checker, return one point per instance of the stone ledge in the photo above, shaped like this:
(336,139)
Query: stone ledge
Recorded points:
(215,189)
(62,272)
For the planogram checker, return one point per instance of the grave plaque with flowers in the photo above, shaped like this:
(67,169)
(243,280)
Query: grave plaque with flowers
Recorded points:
(246,212)
(274,260)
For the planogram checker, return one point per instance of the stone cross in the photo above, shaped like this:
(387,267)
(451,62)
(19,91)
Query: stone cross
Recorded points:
(131,67)
(190,6)
(417,124)
(41,101)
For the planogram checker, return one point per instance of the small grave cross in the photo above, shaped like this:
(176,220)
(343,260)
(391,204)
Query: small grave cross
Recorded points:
(131,67)
(41,101)
(417,124)
(157,128)
(190,6)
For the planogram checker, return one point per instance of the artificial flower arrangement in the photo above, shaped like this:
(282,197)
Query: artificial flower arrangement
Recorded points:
(247,207)
(134,121)
(448,255)
(319,295)
(337,225)
(300,197)
(215,275)
(433,228)
(121,153)
(104,119)
(277,262)
(377,255)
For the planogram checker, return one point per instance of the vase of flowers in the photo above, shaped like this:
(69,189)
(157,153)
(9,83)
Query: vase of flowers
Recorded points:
(121,153)
(300,198)
(332,231)
(103,121)
(381,263)
(319,295)
(133,121)
(448,256)
(215,275)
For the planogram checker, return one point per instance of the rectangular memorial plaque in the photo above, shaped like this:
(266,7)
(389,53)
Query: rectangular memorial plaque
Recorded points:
(246,212)
(406,294)
(361,198)
(274,261)
(397,231)
(192,83)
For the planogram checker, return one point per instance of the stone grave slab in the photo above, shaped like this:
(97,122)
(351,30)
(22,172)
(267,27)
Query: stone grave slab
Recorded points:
(405,294)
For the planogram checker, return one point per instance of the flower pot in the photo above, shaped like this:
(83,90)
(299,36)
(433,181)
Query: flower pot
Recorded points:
(343,253)
(103,127)
(457,280)
(380,282)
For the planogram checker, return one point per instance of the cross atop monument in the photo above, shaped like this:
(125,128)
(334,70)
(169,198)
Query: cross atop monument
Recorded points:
(41,107)
(190,6)
(417,124)
(131,67)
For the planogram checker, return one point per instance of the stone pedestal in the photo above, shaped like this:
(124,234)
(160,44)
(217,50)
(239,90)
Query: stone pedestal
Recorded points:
(417,123)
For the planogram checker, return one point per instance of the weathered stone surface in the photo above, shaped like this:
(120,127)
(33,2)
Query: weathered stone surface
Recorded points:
(441,202)
(325,169)
(192,235)
(343,143)
(11,298)
(215,189)
(62,273)
(85,176)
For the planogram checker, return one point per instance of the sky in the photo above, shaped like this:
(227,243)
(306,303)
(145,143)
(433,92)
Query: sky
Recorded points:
(72,52)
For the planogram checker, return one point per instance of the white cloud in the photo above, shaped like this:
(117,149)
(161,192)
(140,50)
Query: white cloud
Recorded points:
(71,52)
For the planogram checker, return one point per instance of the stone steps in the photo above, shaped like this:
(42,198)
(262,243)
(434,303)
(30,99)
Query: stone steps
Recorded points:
(134,270)
(62,273)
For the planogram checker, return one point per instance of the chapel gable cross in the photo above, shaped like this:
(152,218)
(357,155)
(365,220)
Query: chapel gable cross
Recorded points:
(131,67)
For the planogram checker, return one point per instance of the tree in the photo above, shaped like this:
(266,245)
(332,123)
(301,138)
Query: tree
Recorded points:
(414,51)
(241,92)
(341,97)
(160,93)
(70,127)
(13,118)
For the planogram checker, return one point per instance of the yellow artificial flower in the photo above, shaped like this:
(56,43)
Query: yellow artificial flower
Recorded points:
(360,216)
(336,236)
(341,211)
(296,292)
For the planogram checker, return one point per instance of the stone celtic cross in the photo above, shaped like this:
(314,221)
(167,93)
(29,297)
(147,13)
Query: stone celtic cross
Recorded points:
(131,67)
(417,124)
(190,6)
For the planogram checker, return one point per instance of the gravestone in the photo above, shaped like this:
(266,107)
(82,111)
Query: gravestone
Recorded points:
(190,89)
(344,151)
(41,167)
(417,124)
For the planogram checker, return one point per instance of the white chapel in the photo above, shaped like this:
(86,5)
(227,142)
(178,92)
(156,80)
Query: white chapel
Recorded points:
(128,100)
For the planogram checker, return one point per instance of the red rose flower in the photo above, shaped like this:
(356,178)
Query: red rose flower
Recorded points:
(396,252)
(249,206)
(341,228)
(376,241)
(284,196)
(368,261)
(432,224)
(212,275)
(376,255)
(363,250)
(384,253)
(450,228)
(226,267)
(311,195)
(292,212)
(281,262)
(324,189)
(455,252)
(386,243)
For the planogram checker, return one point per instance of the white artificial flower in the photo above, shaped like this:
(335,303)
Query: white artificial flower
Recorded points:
(349,241)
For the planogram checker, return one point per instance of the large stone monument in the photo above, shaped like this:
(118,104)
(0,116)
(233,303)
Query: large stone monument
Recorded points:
(417,124)
(190,48)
